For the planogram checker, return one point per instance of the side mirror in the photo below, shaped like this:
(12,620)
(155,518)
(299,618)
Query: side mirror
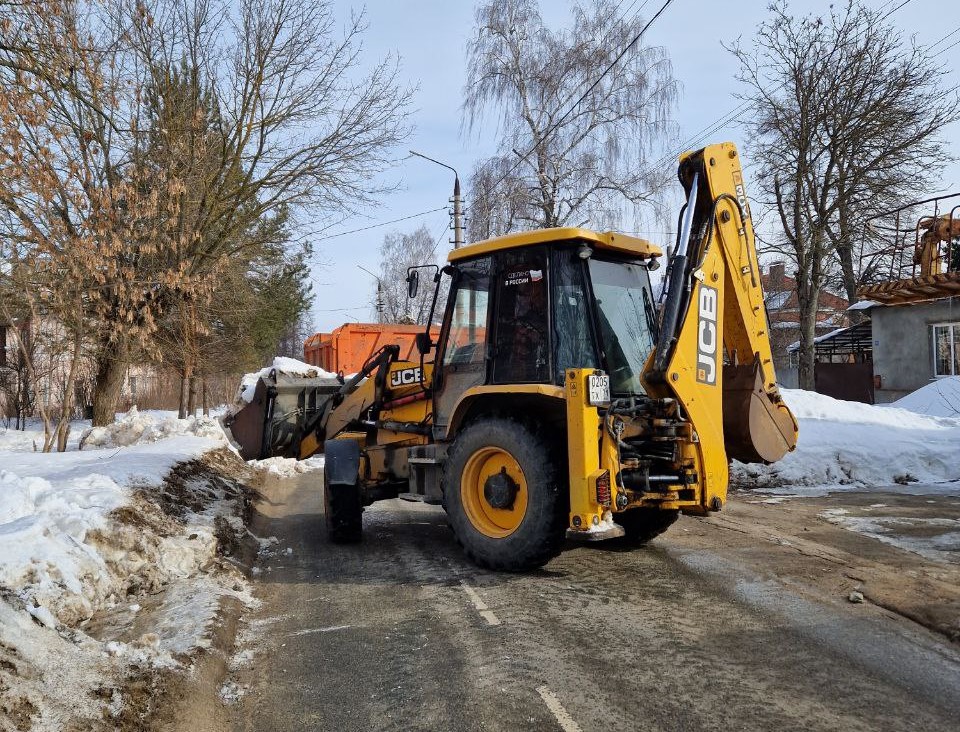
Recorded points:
(413,283)
(423,343)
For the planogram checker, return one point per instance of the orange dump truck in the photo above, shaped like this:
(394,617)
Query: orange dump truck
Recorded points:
(349,346)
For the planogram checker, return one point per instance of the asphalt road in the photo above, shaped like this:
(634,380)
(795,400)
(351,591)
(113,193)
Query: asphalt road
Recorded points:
(402,633)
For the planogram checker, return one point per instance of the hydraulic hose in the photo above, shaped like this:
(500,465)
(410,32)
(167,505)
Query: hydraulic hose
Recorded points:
(676,285)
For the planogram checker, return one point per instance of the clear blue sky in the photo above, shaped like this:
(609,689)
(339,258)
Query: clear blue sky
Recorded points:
(429,37)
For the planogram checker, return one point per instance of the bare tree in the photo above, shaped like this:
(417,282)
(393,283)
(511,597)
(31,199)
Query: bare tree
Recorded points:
(397,253)
(844,118)
(585,163)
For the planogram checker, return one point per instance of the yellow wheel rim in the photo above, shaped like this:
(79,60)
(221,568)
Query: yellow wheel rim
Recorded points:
(487,519)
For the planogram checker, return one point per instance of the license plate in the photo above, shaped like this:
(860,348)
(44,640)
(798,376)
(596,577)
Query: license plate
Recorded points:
(598,390)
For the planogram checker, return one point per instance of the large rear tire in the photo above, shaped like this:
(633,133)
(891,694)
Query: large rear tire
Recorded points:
(644,524)
(505,496)
(342,512)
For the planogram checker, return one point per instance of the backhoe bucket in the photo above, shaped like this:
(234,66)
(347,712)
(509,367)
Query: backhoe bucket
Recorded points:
(272,424)
(758,427)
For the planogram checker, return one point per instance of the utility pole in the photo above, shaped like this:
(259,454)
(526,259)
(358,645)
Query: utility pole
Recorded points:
(459,235)
(380,307)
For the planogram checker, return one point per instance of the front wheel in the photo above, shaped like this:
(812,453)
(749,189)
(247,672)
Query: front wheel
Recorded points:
(505,495)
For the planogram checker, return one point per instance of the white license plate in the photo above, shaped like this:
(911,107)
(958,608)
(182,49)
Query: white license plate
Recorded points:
(598,390)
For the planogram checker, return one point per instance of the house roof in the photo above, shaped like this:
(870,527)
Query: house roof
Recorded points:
(914,289)
(854,339)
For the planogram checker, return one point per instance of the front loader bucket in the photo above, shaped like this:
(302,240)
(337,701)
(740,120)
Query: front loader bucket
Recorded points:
(757,426)
(272,424)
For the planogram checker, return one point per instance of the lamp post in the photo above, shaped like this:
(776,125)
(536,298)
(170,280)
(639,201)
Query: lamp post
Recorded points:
(458,229)
(379,306)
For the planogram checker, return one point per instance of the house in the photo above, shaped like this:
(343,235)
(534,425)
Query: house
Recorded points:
(783,317)
(915,341)
(915,313)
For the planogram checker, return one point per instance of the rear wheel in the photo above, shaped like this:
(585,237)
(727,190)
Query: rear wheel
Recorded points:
(643,524)
(504,495)
(342,511)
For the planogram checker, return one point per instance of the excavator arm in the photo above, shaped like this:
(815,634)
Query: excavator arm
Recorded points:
(713,354)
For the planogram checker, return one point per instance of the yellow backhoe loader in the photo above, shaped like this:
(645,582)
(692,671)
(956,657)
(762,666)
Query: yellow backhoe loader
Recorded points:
(560,400)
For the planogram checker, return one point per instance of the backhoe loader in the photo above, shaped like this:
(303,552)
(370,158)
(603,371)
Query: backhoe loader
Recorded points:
(561,400)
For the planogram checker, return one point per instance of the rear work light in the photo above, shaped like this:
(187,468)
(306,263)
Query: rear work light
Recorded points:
(603,489)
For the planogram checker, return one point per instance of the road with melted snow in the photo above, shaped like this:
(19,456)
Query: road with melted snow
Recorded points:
(400,632)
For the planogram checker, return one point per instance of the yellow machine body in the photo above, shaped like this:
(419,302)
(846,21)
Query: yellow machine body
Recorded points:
(708,392)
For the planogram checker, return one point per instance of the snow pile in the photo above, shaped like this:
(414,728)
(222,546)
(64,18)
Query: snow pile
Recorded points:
(136,427)
(280,467)
(97,533)
(283,365)
(845,445)
(940,398)
(58,538)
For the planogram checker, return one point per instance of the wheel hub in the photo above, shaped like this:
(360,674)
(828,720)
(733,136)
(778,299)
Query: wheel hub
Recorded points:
(500,490)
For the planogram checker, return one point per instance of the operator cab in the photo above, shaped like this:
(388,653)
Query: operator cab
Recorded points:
(524,308)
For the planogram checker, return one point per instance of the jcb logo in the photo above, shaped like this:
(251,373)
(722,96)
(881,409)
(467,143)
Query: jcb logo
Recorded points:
(405,377)
(741,193)
(707,346)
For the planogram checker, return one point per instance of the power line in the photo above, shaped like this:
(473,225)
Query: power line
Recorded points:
(942,39)
(733,114)
(382,223)
(944,50)
(887,15)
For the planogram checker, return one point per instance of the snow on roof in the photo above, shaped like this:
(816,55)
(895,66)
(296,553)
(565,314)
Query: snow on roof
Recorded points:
(776,300)
(863,305)
(940,398)
(852,336)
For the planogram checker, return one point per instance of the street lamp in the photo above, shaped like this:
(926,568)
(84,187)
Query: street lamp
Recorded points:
(379,306)
(457,201)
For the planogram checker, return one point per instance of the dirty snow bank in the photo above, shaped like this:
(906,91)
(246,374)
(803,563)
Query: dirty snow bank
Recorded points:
(97,533)
(283,365)
(847,445)
(940,398)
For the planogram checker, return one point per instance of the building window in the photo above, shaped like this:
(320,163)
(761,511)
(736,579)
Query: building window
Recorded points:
(946,349)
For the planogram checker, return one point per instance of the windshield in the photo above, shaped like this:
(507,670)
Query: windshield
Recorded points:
(626,321)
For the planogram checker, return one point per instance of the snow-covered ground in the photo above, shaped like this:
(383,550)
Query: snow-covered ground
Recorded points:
(107,532)
(939,398)
(848,446)
(852,446)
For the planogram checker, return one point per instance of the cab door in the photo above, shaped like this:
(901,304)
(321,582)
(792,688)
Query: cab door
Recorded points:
(463,355)
(521,338)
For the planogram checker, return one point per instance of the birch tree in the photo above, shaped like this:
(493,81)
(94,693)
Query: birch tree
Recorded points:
(397,253)
(586,163)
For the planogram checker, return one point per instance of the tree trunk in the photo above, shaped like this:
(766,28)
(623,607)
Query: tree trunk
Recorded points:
(808,333)
(206,403)
(192,398)
(185,378)
(66,409)
(111,370)
(808,300)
